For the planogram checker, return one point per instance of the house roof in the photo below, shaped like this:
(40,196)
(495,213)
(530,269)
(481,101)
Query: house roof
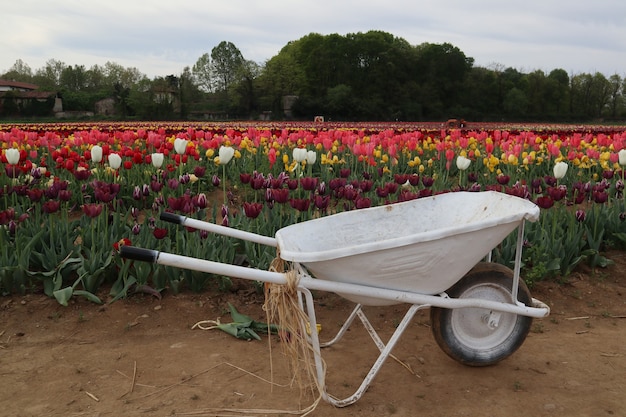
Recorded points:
(38,95)
(18,84)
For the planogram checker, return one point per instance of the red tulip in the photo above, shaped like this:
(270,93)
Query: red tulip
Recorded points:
(159,233)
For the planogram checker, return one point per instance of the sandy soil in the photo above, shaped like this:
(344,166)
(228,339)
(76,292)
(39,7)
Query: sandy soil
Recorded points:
(140,357)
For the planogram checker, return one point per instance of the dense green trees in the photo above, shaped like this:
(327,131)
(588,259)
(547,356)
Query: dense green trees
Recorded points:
(359,76)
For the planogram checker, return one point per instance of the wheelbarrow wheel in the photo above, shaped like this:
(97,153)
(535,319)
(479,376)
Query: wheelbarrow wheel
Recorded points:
(477,336)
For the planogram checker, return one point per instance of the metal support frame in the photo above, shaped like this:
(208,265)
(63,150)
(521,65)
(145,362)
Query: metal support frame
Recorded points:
(384,348)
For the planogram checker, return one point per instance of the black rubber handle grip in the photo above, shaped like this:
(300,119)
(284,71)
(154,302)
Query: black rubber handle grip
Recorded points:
(172,217)
(139,254)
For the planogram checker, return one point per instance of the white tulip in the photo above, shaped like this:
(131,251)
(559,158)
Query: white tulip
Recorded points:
(226,154)
(157,160)
(622,157)
(560,169)
(180,146)
(462,163)
(311,157)
(115,161)
(96,154)
(13,156)
(299,154)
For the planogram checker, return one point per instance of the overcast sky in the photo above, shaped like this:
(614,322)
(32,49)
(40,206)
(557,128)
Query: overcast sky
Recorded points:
(161,37)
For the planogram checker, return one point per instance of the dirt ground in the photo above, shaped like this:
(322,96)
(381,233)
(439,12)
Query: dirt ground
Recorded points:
(141,357)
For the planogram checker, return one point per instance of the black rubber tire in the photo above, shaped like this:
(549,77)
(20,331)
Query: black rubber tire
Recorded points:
(464,333)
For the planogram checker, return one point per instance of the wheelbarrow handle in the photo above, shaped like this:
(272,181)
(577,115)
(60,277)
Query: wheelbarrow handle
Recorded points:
(139,254)
(216,228)
(172,217)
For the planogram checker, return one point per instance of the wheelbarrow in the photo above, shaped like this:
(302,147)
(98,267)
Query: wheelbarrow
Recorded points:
(431,252)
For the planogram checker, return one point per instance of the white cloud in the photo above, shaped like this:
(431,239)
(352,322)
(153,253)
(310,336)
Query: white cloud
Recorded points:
(161,37)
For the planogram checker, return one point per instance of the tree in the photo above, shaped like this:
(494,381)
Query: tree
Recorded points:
(48,78)
(20,71)
(281,76)
(227,62)
(202,73)
(615,95)
(74,78)
(441,70)
(242,92)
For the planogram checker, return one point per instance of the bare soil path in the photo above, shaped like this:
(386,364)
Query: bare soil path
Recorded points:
(140,357)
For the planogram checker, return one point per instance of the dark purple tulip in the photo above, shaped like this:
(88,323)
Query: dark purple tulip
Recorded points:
(35,194)
(300,204)
(428,181)
(292,183)
(321,188)
(82,174)
(503,179)
(137,194)
(580,215)
(65,195)
(382,192)
(245,178)
(92,210)
(280,195)
(252,210)
(50,206)
(400,178)
(362,202)
(308,183)
(199,171)
(200,201)
(545,202)
(321,201)
(600,197)
(550,180)
(156,186)
(350,193)
(557,193)
(172,183)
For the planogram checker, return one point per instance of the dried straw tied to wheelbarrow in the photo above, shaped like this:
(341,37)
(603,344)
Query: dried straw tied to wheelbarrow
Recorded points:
(283,308)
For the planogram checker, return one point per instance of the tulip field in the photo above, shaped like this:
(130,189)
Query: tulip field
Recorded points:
(72,193)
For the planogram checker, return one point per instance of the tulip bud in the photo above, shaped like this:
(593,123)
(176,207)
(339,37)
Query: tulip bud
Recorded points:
(622,157)
(180,146)
(462,163)
(157,160)
(115,161)
(13,156)
(311,157)
(559,170)
(299,154)
(96,154)
(226,154)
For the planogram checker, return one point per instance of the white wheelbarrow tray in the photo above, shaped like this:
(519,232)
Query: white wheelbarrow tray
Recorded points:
(411,252)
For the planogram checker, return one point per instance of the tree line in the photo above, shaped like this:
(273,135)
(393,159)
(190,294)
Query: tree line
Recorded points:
(361,76)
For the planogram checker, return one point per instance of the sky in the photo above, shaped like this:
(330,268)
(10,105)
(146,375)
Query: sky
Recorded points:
(162,37)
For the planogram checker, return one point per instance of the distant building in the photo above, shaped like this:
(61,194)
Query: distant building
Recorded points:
(24,99)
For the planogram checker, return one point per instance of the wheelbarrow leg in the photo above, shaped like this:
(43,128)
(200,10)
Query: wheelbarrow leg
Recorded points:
(385,349)
(356,312)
